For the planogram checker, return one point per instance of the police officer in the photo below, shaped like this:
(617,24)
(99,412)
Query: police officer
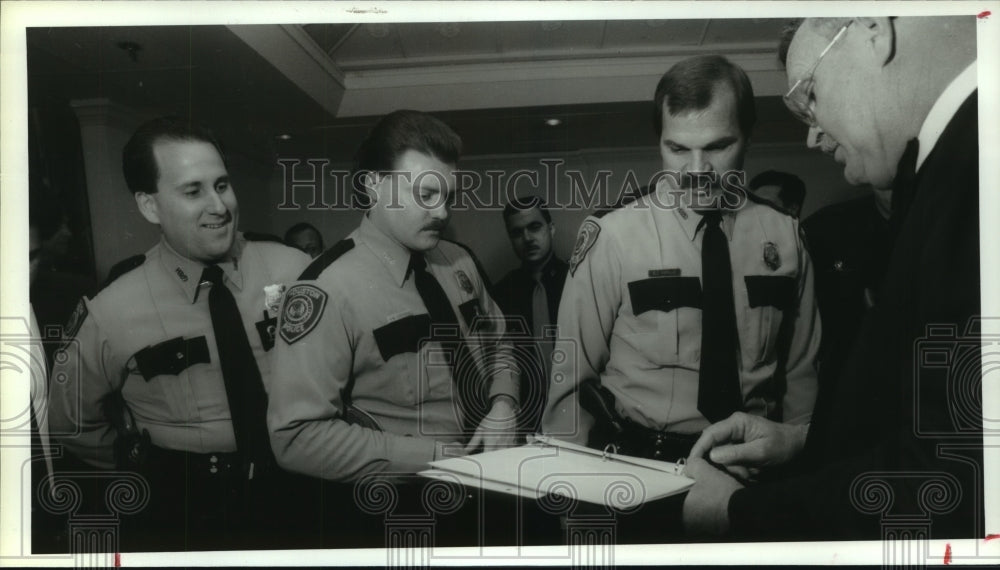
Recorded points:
(692,302)
(360,392)
(164,370)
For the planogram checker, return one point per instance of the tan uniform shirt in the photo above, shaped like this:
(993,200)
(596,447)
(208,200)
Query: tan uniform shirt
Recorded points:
(352,337)
(180,397)
(631,310)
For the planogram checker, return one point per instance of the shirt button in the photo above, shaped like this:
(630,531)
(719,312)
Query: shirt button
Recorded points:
(213,459)
(214,469)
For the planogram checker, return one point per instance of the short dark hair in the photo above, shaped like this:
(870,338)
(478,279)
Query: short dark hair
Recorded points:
(523,203)
(397,133)
(690,86)
(299,228)
(793,189)
(138,161)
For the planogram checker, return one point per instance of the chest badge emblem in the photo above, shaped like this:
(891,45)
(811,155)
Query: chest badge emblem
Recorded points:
(464,282)
(771,257)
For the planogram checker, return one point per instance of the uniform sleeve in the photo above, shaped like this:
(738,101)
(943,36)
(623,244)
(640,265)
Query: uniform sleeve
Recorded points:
(311,371)
(82,377)
(801,372)
(590,302)
(503,371)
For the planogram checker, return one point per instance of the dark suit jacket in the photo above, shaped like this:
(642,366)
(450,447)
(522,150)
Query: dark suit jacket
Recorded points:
(901,433)
(513,294)
(849,243)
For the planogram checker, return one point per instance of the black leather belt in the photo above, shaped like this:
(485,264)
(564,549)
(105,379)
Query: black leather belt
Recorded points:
(207,465)
(618,434)
(640,441)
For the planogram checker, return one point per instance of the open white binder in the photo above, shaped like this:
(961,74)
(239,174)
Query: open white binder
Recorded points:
(548,465)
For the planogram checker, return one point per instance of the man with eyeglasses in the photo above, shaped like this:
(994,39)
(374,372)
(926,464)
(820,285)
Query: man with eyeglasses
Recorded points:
(900,432)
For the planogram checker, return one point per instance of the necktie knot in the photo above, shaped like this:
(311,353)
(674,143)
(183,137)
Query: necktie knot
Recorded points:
(417,263)
(212,274)
(711,218)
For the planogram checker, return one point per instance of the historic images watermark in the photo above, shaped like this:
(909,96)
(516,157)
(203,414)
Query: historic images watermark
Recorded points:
(946,394)
(313,185)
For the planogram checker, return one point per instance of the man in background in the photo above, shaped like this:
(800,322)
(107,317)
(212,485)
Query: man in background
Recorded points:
(54,290)
(897,98)
(531,293)
(782,189)
(304,237)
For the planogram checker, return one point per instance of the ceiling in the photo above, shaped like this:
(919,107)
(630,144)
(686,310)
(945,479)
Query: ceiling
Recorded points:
(325,84)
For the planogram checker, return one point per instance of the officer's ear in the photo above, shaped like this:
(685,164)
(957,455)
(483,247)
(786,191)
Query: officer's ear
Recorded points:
(370,182)
(147,207)
(552,229)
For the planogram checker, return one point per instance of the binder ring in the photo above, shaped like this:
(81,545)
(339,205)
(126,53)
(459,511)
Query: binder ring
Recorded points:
(609,448)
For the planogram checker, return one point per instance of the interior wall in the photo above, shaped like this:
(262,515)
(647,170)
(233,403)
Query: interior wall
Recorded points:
(482,229)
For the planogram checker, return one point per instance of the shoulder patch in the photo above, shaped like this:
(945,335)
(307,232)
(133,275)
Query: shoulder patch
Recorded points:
(584,241)
(479,266)
(303,308)
(75,321)
(121,268)
(326,258)
(255,236)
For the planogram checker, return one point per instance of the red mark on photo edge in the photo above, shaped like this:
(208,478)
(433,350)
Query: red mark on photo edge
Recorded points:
(118,560)
(947,553)
(983,15)
(990,537)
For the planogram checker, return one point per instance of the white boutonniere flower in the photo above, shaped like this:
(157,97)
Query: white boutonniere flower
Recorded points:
(272,298)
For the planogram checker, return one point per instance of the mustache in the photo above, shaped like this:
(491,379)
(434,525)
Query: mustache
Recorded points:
(700,181)
(436,226)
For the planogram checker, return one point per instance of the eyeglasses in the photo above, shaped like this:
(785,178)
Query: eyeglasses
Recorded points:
(799,97)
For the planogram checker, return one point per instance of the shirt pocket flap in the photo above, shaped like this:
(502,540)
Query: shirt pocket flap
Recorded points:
(770,290)
(402,336)
(172,356)
(664,294)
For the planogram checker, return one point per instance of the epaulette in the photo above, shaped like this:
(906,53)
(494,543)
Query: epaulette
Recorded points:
(479,266)
(624,200)
(255,236)
(326,258)
(121,268)
(765,202)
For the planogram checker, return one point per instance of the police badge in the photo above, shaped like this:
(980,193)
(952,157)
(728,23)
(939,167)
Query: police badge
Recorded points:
(464,282)
(771,257)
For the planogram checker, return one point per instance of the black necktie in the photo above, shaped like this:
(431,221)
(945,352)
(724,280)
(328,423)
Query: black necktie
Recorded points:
(464,370)
(244,387)
(719,393)
(903,186)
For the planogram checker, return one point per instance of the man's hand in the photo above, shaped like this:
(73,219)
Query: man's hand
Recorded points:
(499,427)
(743,443)
(706,506)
